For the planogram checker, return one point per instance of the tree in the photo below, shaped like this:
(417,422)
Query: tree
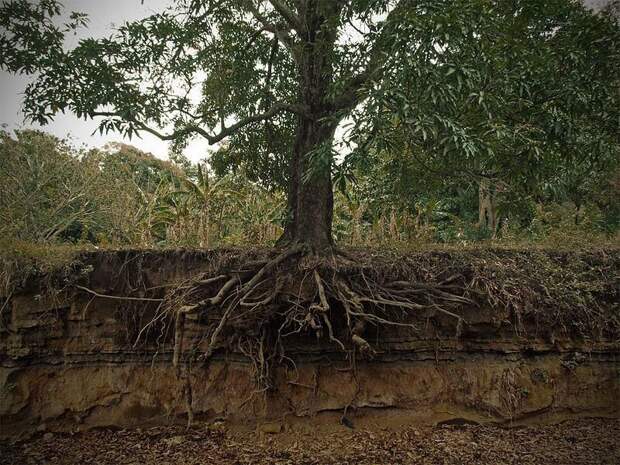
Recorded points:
(131,184)
(508,109)
(277,78)
(47,194)
(289,71)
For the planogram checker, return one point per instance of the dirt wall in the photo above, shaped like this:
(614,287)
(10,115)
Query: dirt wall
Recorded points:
(73,360)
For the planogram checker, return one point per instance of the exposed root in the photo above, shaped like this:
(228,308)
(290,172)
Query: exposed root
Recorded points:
(262,303)
(360,343)
(188,396)
(179,330)
(323,307)
(117,297)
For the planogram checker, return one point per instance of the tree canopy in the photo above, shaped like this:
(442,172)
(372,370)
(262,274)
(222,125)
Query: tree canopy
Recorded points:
(507,90)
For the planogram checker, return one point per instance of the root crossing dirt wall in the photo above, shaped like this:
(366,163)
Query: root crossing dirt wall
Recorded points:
(69,360)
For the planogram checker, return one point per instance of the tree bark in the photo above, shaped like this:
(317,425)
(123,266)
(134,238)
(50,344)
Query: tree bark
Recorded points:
(313,192)
(310,195)
(487,218)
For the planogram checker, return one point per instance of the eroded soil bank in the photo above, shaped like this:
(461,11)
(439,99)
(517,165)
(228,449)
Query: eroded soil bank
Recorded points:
(75,354)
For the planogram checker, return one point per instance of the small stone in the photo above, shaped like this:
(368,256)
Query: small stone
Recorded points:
(216,427)
(270,427)
(174,441)
(48,436)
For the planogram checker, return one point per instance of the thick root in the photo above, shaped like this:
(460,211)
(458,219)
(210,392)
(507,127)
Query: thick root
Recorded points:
(299,293)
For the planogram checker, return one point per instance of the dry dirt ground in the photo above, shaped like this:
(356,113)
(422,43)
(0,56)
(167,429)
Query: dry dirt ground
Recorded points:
(573,442)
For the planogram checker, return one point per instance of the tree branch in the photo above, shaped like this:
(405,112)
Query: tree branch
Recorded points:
(351,94)
(272,56)
(193,128)
(281,34)
(290,17)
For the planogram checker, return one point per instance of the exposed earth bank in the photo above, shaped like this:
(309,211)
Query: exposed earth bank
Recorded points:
(528,337)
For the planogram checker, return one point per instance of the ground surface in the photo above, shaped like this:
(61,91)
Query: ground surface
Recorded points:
(571,442)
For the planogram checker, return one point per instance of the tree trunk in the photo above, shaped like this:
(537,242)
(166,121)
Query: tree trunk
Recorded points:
(310,195)
(487,218)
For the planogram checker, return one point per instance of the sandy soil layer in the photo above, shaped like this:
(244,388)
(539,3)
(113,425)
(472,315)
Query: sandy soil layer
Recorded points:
(592,441)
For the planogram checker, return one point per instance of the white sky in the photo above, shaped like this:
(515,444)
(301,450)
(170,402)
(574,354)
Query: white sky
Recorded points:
(103,16)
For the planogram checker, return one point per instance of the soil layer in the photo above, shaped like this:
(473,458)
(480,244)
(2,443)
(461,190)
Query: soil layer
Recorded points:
(528,337)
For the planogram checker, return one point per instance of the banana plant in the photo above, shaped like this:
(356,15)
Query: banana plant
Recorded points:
(203,193)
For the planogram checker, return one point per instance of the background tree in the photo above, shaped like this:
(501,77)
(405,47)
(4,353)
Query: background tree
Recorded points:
(523,90)
(46,195)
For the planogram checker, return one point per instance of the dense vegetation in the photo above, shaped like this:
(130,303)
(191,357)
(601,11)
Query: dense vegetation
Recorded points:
(119,196)
(513,103)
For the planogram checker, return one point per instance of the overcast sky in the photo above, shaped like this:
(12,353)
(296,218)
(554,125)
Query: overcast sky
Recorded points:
(103,16)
